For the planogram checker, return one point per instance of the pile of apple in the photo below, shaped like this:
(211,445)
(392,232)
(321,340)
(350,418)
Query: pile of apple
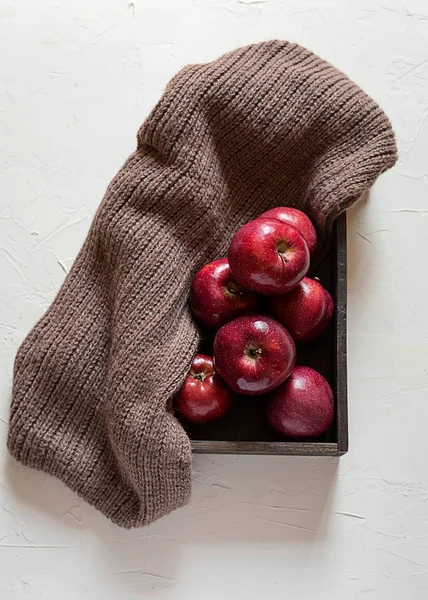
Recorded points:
(260,302)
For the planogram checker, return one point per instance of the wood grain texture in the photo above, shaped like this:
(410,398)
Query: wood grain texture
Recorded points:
(245,431)
(341,371)
(291,448)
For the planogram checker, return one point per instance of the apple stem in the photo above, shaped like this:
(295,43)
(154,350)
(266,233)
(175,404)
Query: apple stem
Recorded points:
(254,352)
(199,377)
(233,289)
(282,248)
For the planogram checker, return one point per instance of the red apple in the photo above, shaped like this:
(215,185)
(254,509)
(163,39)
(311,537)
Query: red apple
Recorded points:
(268,257)
(204,397)
(298,219)
(303,406)
(254,354)
(216,297)
(305,311)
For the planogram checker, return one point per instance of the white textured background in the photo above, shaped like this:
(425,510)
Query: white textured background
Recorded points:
(77,79)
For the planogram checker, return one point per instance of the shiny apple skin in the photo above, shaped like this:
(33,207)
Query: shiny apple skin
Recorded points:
(268,257)
(305,311)
(298,219)
(216,297)
(303,406)
(254,354)
(204,397)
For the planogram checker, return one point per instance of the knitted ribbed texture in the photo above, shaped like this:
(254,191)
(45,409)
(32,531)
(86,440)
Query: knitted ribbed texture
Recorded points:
(266,125)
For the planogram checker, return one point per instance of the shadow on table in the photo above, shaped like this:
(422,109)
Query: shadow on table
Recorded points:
(245,503)
(254,500)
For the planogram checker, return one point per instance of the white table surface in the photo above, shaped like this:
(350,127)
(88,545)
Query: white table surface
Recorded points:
(77,79)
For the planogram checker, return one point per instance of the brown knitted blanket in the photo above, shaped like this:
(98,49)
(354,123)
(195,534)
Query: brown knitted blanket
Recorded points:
(266,125)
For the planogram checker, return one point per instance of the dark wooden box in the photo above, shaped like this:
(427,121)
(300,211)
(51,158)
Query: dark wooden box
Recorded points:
(245,431)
